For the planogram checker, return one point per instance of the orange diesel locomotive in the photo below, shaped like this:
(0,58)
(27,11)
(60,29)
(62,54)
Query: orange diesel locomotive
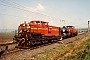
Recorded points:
(36,32)
(73,31)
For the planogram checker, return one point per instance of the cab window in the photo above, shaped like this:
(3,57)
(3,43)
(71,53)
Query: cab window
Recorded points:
(45,23)
(37,22)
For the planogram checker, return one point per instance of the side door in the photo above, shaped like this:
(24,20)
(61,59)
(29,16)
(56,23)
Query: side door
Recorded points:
(49,29)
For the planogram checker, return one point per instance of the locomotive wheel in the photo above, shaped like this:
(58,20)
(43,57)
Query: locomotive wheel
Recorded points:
(42,42)
(24,45)
(20,42)
(28,42)
(49,41)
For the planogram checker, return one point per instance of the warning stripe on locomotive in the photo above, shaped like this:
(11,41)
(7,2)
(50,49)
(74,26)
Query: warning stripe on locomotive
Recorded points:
(44,29)
(40,28)
(28,27)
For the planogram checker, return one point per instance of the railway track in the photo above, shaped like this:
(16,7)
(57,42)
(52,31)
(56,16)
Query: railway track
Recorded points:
(6,52)
(11,46)
(7,44)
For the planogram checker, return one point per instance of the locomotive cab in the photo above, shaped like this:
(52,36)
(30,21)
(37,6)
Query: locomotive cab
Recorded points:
(23,30)
(37,28)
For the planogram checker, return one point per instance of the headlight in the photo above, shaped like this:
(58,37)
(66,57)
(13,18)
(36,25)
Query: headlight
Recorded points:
(28,27)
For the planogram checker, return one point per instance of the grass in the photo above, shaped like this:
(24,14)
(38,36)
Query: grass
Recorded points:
(78,50)
(81,53)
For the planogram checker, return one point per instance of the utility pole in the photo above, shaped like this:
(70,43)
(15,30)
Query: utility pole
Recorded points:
(88,27)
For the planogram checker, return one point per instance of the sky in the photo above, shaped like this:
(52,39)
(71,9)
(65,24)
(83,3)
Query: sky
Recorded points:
(56,12)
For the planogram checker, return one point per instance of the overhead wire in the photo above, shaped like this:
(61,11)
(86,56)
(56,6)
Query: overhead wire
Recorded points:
(77,18)
(17,6)
(26,9)
(12,4)
(14,15)
(9,3)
